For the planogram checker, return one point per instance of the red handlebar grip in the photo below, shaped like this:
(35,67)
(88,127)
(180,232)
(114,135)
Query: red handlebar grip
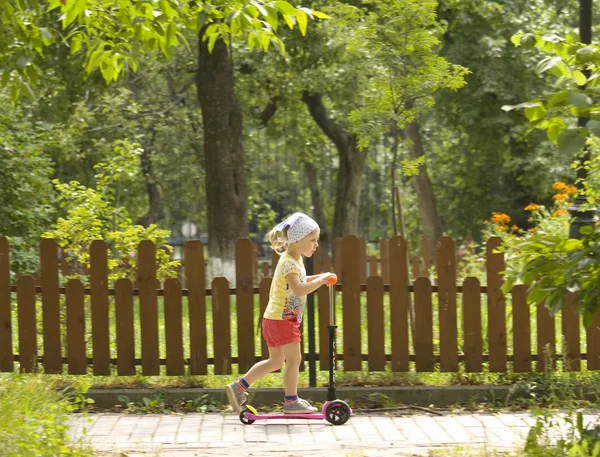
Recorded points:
(332,279)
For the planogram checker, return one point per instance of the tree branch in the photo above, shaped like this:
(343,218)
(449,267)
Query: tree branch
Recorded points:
(316,107)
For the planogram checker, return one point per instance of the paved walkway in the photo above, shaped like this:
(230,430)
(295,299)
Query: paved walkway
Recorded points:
(222,434)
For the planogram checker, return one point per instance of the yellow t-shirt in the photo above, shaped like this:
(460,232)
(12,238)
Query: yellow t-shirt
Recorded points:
(283,304)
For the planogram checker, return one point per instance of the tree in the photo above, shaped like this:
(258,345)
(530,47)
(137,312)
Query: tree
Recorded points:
(113,36)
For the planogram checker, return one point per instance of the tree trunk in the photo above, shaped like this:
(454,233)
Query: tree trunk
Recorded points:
(226,193)
(430,219)
(317,203)
(350,173)
(156,211)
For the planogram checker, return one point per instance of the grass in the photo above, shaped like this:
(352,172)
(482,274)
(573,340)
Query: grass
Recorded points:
(33,419)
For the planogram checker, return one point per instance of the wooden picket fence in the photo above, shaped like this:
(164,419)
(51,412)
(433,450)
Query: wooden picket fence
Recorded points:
(65,339)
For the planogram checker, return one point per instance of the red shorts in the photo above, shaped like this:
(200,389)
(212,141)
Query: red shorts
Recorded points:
(280,332)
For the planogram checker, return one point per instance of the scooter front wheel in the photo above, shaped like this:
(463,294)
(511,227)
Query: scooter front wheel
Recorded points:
(338,412)
(243,417)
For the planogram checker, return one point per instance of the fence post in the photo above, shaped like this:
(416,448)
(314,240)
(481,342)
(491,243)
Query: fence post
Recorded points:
(50,306)
(571,334)
(446,269)
(173,327)
(399,302)
(350,247)
(221,325)
(196,284)
(76,350)
(6,354)
(27,324)
(472,324)
(423,343)
(546,338)
(375,323)
(148,308)
(244,266)
(125,335)
(99,303)
(522,338)
(496,306)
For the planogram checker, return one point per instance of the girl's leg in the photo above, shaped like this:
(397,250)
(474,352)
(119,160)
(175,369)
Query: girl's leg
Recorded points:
(293,357)
(236,391)
(264,367)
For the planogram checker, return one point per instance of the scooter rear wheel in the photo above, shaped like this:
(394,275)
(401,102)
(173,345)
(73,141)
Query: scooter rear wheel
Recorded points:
(338,412)
(243,417)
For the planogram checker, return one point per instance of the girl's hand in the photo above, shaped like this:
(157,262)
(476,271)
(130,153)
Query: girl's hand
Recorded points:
(325,277)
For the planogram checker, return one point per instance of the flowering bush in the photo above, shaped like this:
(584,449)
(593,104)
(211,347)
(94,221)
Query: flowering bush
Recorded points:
(550,262)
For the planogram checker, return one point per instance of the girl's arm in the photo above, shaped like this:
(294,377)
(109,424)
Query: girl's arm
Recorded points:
(304,288)
(313,277)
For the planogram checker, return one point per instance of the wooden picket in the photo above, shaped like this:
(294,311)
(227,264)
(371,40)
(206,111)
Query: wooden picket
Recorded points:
(384,254)
(399,303)
(362,260)
(571,334)
(99,303)
(337,258)
(446,269)
(50,306)
(472,325)
(76,347)
(245,304)
(148,283)
(350,247)
(375,323)
(264,289)
(496,307)
(522,338)
(6,350)
(173,328)
(221,325)
(125,327)
(195,281)
(546,338)
(373,266)
(27,324)
(424,325)
(593,343)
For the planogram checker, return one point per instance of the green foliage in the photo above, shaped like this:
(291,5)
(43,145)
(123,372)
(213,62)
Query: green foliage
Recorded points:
(91,215)
(113,35)
(400,39)
(25,189)
(33,420)
(554,265)
(574,65)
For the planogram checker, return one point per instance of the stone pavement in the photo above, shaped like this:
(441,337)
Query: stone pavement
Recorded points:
(214,434)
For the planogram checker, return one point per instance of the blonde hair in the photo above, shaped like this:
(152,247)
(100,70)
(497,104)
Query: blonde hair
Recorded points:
(279,240)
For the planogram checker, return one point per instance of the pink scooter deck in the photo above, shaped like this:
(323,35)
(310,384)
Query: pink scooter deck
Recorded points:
(317,416)
(314,416)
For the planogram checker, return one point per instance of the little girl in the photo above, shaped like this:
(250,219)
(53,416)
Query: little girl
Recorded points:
(293,238)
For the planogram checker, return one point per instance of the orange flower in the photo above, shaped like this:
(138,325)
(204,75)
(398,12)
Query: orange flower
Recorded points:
(485,222)
(559,212)
(561,197)
(500,218)
(559,185)
(515,227)
(532,207)
(571,189)
(502,228)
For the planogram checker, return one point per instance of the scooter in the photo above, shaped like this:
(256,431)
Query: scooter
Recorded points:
(336,412)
